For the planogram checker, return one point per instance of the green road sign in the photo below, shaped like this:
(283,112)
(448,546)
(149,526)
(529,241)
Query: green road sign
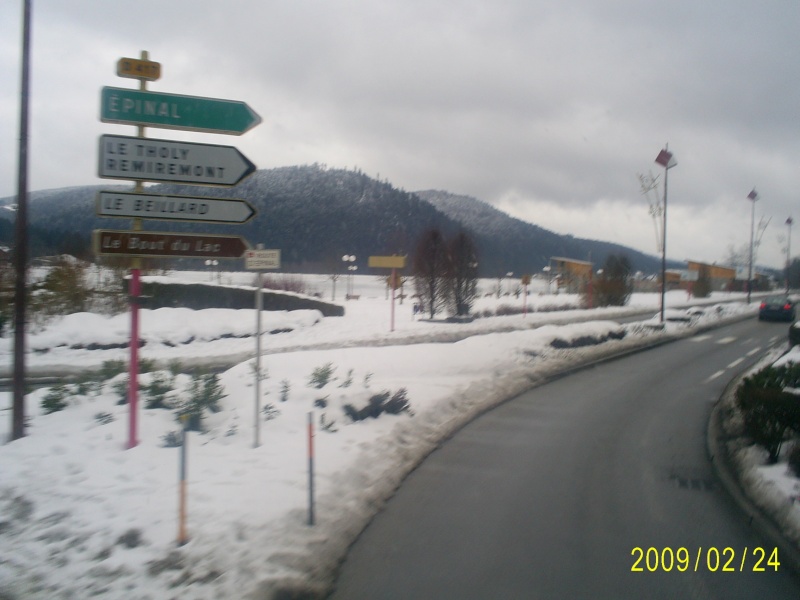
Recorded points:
(173,111)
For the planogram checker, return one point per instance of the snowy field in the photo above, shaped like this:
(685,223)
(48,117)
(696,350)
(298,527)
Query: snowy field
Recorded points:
(82,516)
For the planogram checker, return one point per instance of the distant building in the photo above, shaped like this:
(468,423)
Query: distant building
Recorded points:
(720,278)
(572,275)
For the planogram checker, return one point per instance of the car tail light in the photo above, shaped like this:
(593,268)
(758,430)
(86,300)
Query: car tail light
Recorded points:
(763,305)
(787,306)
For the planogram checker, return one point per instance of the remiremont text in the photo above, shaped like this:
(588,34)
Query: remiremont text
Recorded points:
(152,158)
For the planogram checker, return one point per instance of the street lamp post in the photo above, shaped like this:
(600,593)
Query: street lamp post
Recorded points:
(349,258)
(666,160)
(752,196)
(212,263)
(789,223)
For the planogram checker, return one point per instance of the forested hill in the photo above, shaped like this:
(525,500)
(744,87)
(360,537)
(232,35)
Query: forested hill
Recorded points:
(506,237)
(315,215)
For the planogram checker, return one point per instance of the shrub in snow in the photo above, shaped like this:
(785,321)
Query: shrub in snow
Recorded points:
(205,393)
(284,283)
(398,403)
(321,376)
(104,418)
(587,340)
(55,400)
(270,412)
(263,373)
(175,367)
(120,388)
(768,412)
(63,291)
(131,538)
(378,404)
(326,425)
(285,388)
(147,365)
(112,368)
(348,380)
(87,384)
(506,310)
(160,385)
(321,402)
(172,439)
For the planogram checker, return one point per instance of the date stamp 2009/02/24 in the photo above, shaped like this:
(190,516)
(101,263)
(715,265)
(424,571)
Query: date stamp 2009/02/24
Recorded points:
(711,559)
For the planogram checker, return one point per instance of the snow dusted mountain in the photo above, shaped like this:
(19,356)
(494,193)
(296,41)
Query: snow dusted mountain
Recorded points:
(315,215)
(505,239)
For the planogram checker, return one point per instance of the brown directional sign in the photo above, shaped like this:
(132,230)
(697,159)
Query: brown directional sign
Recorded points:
(169,245)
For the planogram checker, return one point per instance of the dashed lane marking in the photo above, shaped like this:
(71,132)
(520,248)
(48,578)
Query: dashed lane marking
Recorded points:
(714,376)
(726,340)
(738,361)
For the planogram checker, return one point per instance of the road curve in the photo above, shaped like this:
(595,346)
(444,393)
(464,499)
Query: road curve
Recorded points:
(550,494)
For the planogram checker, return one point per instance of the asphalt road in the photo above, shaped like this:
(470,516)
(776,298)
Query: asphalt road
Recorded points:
(549,495)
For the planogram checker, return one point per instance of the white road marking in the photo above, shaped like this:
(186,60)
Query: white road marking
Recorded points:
(701,338)
(754,351)
(714,376)
(738,361)
(726,340)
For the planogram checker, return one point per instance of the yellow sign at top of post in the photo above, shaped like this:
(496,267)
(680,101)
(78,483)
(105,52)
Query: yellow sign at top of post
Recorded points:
(135,68)
(387,262)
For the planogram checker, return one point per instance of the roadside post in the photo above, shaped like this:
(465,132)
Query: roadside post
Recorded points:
(311,468)
(258,260)
(183,536)
(393,262)
(141,159)
(526,281)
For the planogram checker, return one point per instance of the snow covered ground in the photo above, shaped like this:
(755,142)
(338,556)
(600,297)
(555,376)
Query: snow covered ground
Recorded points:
(82,516)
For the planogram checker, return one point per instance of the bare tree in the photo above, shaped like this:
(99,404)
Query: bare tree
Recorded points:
(462,276)
(614,285)
(430,271)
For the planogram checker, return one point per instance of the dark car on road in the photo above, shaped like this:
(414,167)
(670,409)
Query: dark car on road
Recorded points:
(776,308)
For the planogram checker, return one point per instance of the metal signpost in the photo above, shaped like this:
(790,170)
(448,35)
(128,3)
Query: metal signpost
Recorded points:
(259,260)
(148,159)
(141,159)
(393,262)
(196,209)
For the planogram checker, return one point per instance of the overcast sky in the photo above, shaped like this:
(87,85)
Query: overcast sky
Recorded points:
(547,110)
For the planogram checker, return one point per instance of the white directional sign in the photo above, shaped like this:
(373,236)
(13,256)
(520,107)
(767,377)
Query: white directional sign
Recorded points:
(259,260)
(147,159)
(130,205)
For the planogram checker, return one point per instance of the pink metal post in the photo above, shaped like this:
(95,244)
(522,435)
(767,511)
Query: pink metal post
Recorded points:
(393,285)
(133,387)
